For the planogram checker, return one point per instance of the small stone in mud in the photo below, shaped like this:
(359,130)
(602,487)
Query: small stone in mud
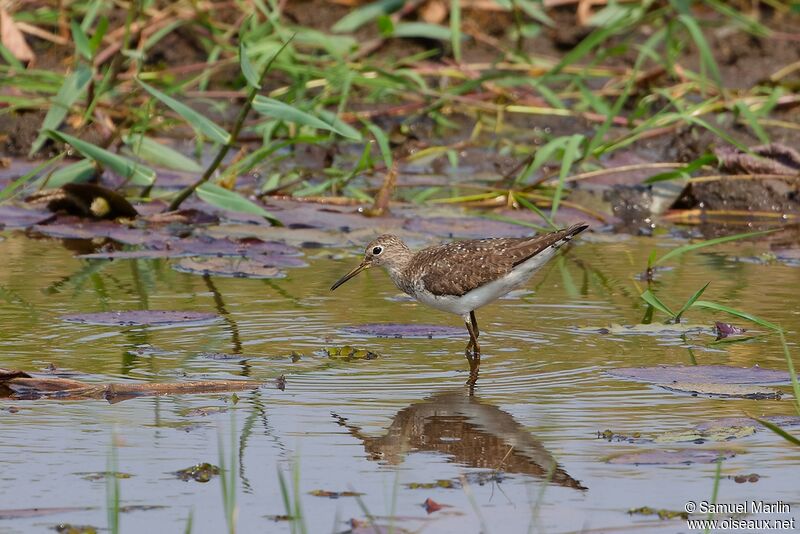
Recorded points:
(199,472)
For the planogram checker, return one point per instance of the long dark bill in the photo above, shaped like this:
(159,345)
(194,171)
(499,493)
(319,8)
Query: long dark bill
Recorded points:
(350,275)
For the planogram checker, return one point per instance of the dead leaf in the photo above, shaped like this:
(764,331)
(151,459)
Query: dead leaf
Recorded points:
(12,38)
(773,158)
(431,505)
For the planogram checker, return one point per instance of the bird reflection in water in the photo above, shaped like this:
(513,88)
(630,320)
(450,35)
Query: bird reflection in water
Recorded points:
(467,430)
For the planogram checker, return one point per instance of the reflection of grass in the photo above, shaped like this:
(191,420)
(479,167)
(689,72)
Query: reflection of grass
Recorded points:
(112,488)
(291,502)
(227,476)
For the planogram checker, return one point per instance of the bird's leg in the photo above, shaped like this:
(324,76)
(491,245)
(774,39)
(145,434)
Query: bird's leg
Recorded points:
(474,324)
(474,359)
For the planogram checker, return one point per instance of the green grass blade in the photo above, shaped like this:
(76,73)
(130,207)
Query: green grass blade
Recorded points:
(422,30)
(70,91)
(360,16)
(455,29)
(81,40)
(790,365)
(707,60)
(9,190)
(778,430)
(341,127)
(736,313)
(650,298)
(189,521)
(231,200)
(709,243)
(78,172)
(288,113)
(571,154)
(752,121)
(248,70)
(199,122)
(383,144)
(691,301)
(154,152)
(136,173)
(531,206)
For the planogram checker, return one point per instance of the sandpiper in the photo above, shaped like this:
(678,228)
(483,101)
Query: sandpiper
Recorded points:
(462,276)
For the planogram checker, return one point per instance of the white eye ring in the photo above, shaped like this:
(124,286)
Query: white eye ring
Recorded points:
(377,250)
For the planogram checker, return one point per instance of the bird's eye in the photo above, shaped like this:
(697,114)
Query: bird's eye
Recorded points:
(377,250)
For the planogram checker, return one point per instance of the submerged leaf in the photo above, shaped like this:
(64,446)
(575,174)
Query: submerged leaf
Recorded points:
(139,318)
(740,391)
(707,374)
(233,267)
(670,457)
(398,330)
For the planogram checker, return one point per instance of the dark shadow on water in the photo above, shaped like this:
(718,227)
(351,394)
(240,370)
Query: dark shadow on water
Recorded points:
(470,432)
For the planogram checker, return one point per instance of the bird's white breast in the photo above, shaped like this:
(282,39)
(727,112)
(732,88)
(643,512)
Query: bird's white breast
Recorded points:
(486,293)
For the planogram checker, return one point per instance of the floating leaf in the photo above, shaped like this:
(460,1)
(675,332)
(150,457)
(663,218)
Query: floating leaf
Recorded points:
(739,391)
(15,217)
(136,172)
(716,433)
(707,374)
(670,457)
(231,267)
(199,122)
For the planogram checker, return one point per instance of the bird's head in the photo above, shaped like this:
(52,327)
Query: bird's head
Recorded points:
(384,251)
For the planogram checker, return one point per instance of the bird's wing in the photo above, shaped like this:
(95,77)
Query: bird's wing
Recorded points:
(457,268)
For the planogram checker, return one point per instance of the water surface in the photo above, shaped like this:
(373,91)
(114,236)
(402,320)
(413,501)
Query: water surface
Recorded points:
(522,452)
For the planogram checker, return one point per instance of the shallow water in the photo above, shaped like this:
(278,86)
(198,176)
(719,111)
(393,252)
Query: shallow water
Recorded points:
(524,446)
